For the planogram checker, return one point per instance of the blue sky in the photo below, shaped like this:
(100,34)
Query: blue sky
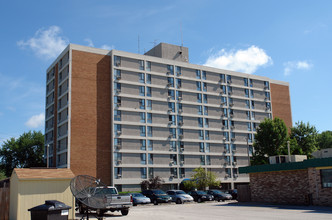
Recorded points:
(283,40)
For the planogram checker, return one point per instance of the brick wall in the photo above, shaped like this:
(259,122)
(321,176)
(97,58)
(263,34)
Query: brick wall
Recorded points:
(321,196)
(283,187)
(90,150)
(281,104)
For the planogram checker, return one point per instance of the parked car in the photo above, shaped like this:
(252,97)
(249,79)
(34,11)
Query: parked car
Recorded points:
(179,196)
(219,196)
(200,196)
(233,192)
(139,198)
(157,196)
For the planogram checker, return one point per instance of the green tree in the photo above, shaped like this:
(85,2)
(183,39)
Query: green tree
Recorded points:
(271,139)
(26,151)
(203,178)
(153,183)
(306,138)
(324,140)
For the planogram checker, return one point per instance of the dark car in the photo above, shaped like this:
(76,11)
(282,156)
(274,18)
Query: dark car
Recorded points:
(219,196)
(233,192)
(200,196)
(139,198)
(157,196)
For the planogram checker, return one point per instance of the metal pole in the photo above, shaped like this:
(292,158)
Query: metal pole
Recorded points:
(289,157)
(47,155)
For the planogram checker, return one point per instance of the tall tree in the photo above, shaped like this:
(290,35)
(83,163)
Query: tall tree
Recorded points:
(271,139)
(203,178)
(324,140)
(26,151)
(305,136)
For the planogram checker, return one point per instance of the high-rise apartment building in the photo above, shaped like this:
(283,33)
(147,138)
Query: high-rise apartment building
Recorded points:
(125,117)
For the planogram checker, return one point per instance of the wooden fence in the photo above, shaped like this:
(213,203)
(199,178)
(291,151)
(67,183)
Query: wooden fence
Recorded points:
(4,199)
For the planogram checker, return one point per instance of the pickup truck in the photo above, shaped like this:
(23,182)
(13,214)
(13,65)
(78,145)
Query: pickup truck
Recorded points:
(104,199)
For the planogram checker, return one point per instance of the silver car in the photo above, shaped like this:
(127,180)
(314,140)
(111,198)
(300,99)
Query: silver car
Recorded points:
(139,198)
(179,196)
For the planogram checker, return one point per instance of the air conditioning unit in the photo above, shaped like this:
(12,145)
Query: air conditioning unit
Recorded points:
(234,163)
(266,87)
(226,175)
(118,132)
(170,122)
(180,110)
(224,139)
(169,84)
(223,127)
(236,176)
(168,73)
(169,97)
(169,111)
(225,164)
(181,149)
(170,135)
(172,176)
(117,63)
(232,127)
(225,151)
(233,139)
(118,146)
(201,150)
(229,81)
(231,115)
(223,103)
(180,98)
(119,162)
(180,136)
(221,92)
(180,123)
(119,175)
(231,104)
(118,77)
(118,90)
(230,93)
(234,151)
(179,86)
(182,175)
(171,162)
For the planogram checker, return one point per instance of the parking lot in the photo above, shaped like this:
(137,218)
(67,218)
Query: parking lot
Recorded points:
(222,210)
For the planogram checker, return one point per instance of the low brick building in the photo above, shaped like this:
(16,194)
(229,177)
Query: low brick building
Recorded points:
(299,183)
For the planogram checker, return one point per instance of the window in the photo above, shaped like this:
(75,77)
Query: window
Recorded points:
(181,146)
(229,79)
(222,78)
(171,94)
(149,118)
(246,93)
(225,124)
(204,75)
(267,95)
(170,69)
(199,97)
(199,110)
(326,175)
(198,86)
(231,113)
(148,78)
(150,145)
(150,158)
(141,77)
(207,135)
(141,91)
(254,126)
(143,172)
(208,160)
(117,87)
(172,158)
(143,144)
(268,105)
(117,142)
(206,122)
(248,104)
(117,115)
(226,148)
(117,101)
(117,172)
(180,120)
(142,131)
(200,122)
(202,160)
(171,106)
(171,119)
(142,115)
(230,90)
(205,98)
(180,131)
(245,81)
(249,138)
(253,104)
(179,83)
(232,135)
(149,104)
(230,101)
(251,83)
(225,112)
(248,115)
(149,130)
(223,89)
(226,136)
(170,81)
(148,66)
(207,147)
(141,64)
(178,70)
(117,129)
(172,132)
(198,74)
(172,145)
(117,61)
(179,95)
(174,172)
(235,172)
(201,147)
(142,104)
(117,156)
(266,85)
(148,91)
(252,94)
(151,173)
(253,114)
(223,100)
(201,134)
(179,107)
(206,110)
(182,170)
(249,126)
(143,158)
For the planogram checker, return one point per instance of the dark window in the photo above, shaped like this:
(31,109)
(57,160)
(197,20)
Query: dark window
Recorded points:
(326,178)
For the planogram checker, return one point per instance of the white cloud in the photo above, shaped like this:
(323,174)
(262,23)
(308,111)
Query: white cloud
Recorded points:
(247,61)
(296,65)
(36,121)
(47,43)
(90,43)
(106,47)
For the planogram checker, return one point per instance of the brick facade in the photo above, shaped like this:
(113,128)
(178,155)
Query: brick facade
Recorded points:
(90,148)
(296,187)
(281,104)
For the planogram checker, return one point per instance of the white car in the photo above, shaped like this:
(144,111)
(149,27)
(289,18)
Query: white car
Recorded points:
(179,196)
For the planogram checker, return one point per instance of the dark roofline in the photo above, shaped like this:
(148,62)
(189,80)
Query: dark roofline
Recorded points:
(320,162)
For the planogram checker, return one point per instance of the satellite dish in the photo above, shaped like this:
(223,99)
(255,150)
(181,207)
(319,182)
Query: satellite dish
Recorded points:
(89,191)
